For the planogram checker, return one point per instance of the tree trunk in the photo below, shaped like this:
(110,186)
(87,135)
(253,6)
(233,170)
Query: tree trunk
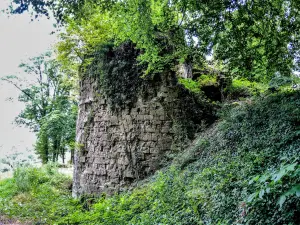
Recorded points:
(72,156)
(46,152)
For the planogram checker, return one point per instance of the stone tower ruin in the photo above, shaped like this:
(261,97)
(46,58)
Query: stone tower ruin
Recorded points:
(117,146)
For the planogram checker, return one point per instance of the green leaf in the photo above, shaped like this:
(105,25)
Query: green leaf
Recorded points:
(279,175)
(263,178)
(252,196)
(294,190)
(281,200)
(261,193)
(291,167)
(254,179)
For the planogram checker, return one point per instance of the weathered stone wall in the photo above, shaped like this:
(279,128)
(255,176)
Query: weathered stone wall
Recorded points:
(118,147)
(127,126)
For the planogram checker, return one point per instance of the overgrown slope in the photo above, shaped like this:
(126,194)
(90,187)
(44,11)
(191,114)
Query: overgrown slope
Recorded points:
(243,170)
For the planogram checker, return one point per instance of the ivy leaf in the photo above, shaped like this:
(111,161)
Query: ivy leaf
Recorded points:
(298,190)
(291,167)
(254,179)
(281,200)
(294,190)
(252,196)
(279,175)
(263,178)
(261,193)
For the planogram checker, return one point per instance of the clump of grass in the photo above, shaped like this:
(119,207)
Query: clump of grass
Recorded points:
(41,195)
(244,170)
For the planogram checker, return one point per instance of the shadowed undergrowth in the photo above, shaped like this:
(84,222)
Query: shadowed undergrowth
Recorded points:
(243,170)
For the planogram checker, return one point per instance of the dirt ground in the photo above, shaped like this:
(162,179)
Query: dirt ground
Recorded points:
(6,221)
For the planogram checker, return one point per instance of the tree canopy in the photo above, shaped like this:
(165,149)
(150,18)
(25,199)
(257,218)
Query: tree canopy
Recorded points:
(49,111)
(257,39)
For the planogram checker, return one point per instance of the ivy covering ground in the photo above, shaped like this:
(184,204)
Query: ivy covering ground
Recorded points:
(243,170)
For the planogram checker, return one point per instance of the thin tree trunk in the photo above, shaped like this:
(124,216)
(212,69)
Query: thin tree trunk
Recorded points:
(46,152)
(72,156)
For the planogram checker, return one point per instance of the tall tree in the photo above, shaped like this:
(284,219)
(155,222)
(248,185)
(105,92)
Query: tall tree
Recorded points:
(49,111)
(257,39)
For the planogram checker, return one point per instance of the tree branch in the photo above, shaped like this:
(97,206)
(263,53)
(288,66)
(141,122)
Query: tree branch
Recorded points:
(20,89)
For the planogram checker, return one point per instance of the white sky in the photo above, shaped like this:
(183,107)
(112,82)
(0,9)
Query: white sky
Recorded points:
(19,39)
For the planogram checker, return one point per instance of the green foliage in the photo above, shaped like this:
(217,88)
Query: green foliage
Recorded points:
(274,182)
(39,195)
(120,73)
(245,88)
(57,134)
(205,80)
(30,178)
(254,39)
(196,86)
(244,170)
(50,111)
(190,84)
(162,202)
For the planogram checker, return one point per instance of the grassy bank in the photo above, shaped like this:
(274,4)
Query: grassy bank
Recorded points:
(243,170)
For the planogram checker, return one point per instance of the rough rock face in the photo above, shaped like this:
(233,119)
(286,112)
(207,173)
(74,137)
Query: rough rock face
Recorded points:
(117,148)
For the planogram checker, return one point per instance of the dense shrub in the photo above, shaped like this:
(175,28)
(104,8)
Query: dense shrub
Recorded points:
(244,170)
(244,88)
(236,180)
(40,195)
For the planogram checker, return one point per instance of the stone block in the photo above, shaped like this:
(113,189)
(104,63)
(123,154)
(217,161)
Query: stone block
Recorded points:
(105,118)
(99,160)
(167,140)
(148,117)
(102,129)
(89,171)
(82,159)
(152,112)
(160,112)
(101,172)
(128,117)
(147,158)
(105,137)
(149,129)
(128,174)
(164,89)
(113,175)
(97,118)
(120,161)
(130,136)
(154,137)
(114,120)
(162,118)
(129,127)
(157,120)
(125,111)
(154,150)
(126,161)
(102,101)
(122,137)
(90,160)
(152,144)
(145,137)
(103,144)
(145,150)
(139,117)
